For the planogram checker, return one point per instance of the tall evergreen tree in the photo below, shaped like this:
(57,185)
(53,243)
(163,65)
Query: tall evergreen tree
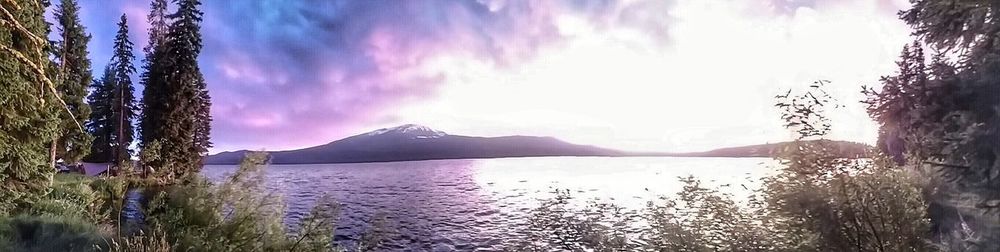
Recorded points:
(29,104)
(101,122)
(152,76)
(178,111)
(203,102)
(123,107)
(74,76)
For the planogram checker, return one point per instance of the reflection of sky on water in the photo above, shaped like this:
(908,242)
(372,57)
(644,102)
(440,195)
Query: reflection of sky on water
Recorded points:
(629,182)
(468,204)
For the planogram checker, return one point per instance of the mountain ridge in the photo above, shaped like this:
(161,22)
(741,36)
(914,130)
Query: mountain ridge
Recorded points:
(412,142)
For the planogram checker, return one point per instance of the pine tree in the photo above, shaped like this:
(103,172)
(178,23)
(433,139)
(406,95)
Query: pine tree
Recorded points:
(157,19)
(123,107)
(100,125)
(891,105)
(74,75)
(203,103)
(152,76)
(203,119)
(177,105)
(29,104)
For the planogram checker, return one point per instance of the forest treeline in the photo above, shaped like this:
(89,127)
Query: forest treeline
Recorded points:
(933,185)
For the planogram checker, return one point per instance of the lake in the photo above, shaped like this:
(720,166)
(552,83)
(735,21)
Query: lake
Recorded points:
(468,204)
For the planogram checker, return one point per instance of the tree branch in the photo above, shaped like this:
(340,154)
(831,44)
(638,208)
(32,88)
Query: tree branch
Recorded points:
(9,19)
(45,80)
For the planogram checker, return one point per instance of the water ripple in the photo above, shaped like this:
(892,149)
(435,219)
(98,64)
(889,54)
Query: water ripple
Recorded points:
(473,205)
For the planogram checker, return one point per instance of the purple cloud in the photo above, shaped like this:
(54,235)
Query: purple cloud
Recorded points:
(287,74)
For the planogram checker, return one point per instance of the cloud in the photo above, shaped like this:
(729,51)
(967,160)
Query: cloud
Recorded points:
(287,74)
(708,82)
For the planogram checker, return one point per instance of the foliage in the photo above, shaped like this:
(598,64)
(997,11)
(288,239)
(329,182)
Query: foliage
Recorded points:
(556,226)
(843,204)
(155,241)
(114,106)
(123,105)
(314,233)
(71,197)
(153,92)
(949,119)
(704,219)
(177,103)
(155,87)
(101,122)
(944,117)
(112,192)
(28,105)
(237,215)
(817,202)
(49,233)
(74,76)
(150,154)
(804,113)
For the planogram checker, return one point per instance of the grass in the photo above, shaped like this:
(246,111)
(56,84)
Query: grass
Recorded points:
(71,178)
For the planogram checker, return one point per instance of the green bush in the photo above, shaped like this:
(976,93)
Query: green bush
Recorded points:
(50,233)
(817,202)
(556,226)
(704,219)
(72,197)
(842,204)
(238,215)
(233,216)
(112,194)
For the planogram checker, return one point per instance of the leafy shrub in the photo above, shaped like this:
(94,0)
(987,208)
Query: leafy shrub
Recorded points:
(704,219)
(817,202)
(71,196)
(111,192)
(556,226)
(49,233)
(233,216)
(843,204)
(238,215)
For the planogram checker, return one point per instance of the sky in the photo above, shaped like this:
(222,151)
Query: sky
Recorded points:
(642,75)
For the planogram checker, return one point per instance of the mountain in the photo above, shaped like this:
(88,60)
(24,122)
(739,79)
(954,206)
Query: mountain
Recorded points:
(839,148)
(415,142)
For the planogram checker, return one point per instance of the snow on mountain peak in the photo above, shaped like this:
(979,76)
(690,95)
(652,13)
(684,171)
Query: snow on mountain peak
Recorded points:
(412,130)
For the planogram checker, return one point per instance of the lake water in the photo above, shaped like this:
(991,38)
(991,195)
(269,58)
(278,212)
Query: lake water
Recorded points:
(469,204)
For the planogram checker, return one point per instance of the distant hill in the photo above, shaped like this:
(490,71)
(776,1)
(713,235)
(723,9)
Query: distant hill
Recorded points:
(414,142)
(839,148)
